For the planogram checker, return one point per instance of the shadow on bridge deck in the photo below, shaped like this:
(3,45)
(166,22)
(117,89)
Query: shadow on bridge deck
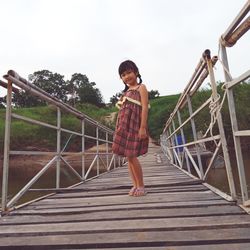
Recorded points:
(177,213)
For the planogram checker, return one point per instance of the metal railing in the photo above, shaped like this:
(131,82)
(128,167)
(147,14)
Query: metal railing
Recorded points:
(189,155)
(109,161)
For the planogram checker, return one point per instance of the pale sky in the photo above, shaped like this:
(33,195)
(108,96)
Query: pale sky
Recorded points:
(165,38)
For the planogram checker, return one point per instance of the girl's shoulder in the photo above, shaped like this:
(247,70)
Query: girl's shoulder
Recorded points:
(142,87)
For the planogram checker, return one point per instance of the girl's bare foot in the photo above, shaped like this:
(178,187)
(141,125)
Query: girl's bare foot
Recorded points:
(132,191)
(140,191)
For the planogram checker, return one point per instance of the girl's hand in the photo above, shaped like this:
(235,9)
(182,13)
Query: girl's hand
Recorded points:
(142,133)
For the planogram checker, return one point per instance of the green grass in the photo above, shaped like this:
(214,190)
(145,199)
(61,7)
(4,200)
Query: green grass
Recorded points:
(160,110)
(24,134)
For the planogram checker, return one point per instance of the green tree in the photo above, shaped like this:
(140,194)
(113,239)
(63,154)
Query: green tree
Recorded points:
(153,94)
(2,101)
(24,99)
(52,83)
(83,91)
(114,99)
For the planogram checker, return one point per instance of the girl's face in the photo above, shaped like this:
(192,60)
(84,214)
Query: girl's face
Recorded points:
(129,77)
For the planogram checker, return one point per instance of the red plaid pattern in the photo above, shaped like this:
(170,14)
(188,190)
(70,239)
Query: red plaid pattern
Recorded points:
(126,141)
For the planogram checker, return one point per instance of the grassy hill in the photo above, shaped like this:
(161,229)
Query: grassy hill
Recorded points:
(160,110)
(24,134)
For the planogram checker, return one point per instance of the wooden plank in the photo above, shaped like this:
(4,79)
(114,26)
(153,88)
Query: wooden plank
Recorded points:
(125,214)
(161,224)
(112,207)
(135,238)
(147,183)
(67,205)
(87,193)
(124,198)
(243,246)
(233,246)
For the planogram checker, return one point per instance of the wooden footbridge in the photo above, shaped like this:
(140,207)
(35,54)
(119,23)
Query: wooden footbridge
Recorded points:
(178,212)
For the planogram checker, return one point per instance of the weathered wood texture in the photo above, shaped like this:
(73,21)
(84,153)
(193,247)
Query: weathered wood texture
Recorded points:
(177,213)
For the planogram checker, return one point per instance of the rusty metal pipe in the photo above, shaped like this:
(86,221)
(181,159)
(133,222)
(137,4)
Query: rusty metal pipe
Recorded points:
(244,11)
(232,34)
(237,34)
(5,85)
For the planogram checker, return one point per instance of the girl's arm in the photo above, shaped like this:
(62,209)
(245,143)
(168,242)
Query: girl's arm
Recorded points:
(144,115)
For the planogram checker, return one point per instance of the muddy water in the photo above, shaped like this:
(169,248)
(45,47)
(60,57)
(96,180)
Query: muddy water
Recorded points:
(23,169)
(218,177)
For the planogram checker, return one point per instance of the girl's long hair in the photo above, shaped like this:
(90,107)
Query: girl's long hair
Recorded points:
(129,65)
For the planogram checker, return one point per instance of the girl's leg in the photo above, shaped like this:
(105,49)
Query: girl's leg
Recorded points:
(132,176)
(136,169)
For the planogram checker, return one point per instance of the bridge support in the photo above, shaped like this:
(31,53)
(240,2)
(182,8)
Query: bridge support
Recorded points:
(220,125)
(6,147)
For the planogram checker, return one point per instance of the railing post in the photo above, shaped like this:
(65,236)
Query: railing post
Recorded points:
(232,112)
(190,109)
(176,144)
(174,160)
(167,147)
(58,170)
(97,150)
(183,140)
(83,148)
(6,147)
(220,125)
(107,150)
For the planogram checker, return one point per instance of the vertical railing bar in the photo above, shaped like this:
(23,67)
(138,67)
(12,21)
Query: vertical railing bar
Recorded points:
(226,69)
(114,161)
(6,155)
(58,170)
(172,143)
(119,161)
(233,118)
(183,140)
(83,148)
(97,151)
(168,145)
(176,143)
(107,151)
(238,150)
(195,136)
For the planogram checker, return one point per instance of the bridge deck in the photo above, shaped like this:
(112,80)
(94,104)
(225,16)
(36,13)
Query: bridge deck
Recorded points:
(177,213)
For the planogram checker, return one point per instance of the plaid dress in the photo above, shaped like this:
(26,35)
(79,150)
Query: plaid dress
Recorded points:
(126,141)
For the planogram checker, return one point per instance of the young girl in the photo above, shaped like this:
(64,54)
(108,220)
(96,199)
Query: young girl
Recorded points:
(131,135)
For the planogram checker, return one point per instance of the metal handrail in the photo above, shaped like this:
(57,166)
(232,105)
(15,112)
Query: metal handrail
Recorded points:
(179,152)
(58,156)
